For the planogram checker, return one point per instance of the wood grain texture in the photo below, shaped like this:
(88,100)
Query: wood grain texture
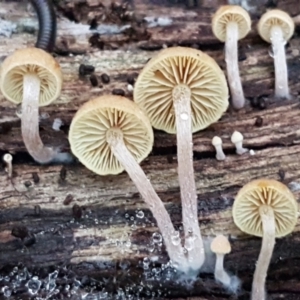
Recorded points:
(86,226)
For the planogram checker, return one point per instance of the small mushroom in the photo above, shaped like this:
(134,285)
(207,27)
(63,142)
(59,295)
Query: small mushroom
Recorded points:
(277,27)
(109,134)
(33,77)
(183,90)
(229,24)
(7,158)
(237,139)
(268,209)
(221,246)
(217,143)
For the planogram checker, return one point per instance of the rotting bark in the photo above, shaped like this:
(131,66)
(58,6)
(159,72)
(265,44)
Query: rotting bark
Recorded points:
(85,225)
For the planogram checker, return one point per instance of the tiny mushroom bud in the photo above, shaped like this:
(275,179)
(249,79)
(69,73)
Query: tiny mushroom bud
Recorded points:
(57,123)
(277,27)
(221,246)
(217,143)
(32,77)
(268,209)
(237,139)
(230,24)
(7,158)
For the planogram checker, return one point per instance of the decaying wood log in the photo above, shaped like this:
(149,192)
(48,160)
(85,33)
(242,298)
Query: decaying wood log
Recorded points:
(95,230)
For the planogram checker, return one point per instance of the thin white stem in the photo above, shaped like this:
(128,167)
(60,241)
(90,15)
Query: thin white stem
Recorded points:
(231,58)
(220,274)
(137,175)
(268,242)
(280,65)
(240,150)
(220,155)
(30,120)
(7,158)
(193,238)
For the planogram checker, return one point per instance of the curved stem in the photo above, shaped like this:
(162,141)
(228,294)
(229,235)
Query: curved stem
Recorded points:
(220,274)
(280,65)
(233,74)
(30,120)
(268,242)
(137,175)
(193,238)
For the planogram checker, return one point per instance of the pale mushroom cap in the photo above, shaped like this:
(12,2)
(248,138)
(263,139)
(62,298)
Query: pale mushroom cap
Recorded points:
(265,192)
(30,60)
(275,17)
(230,13)
(236,137)
(216,141)
(7,157)
(88,129)
(186,66)
(220,245)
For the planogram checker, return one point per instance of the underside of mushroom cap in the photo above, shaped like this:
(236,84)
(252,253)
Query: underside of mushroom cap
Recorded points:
(275,17)
(230,13)
(34,61)
(270,193)
(91,123)
(186,67)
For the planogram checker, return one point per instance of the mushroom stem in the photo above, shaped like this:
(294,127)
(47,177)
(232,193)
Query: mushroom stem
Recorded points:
(7,158)
(268,242)
(114,138)
(220,274)
(183,116)
(280,65)
(30,120)
(231,58)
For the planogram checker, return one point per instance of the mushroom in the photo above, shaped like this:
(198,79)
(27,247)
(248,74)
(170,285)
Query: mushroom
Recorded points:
(237,139)
(221,246)
(109,134)
(277,27)
(33,77)
(7,158)
(268,209)
(229,24)
(183,90)
(217,143)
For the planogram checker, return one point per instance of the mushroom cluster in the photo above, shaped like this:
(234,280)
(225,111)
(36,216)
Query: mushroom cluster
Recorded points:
(180,91)
(231,23)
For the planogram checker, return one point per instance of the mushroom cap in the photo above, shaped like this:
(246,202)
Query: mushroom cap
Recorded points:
(220,245)
(230,13)
(88,129)
(265,192)
(30,60)
(181,66)
(7,157)
(216,141)
(236,137)
(275,17)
